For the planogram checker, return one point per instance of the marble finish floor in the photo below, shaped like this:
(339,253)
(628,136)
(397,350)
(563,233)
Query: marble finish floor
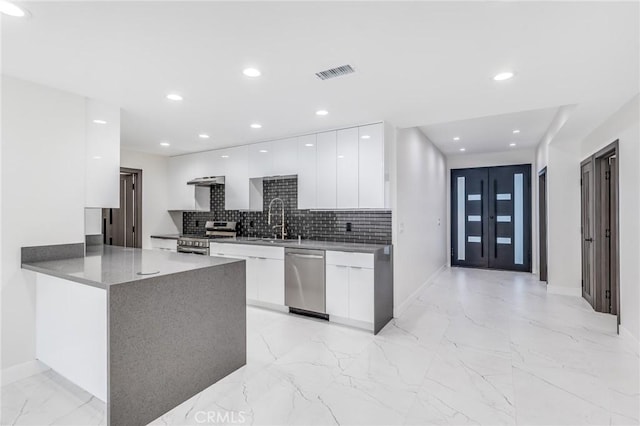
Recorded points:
(476,347)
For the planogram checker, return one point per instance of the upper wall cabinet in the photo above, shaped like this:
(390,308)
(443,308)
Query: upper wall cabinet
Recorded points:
(307,181)
(260,159)
(347,169)
(182,196)
(325,171)
(371,170)
(236,186)
(102,155)
(285,157)
(343,169)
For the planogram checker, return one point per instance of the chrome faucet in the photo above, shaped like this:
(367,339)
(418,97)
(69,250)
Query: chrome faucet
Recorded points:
(281,226)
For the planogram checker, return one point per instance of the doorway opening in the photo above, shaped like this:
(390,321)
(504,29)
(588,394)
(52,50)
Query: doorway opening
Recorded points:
(600,243)
(123,226)
(542,223)
(491,217)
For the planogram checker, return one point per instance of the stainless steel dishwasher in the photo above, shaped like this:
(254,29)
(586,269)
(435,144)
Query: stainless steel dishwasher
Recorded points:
(304,283)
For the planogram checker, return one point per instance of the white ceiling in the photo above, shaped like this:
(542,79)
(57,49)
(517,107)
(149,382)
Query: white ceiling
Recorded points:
(491,134)
(417,63)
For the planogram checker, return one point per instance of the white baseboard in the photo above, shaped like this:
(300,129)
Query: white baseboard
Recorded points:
(22,371)
(399,309)
(564,291)
(351,322)
(630,340)
(267,305)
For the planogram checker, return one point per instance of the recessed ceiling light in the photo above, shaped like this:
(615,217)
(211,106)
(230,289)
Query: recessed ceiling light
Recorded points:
(308,144)
(99,121)
(256,126)
(457,138)
(365,137)
(203,136)
(322,112)
(165,144)
(462,149)
(516,131)
(340,156)
(512,144)
(8,8)
(251,72)
(174,97)
(263,151)
(96,157)
(224,156)
(503,76)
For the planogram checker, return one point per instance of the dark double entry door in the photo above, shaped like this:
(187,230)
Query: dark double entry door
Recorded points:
(491,217)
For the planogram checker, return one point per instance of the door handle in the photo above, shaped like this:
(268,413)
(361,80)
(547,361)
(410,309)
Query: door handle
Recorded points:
(589,239)
(305,256)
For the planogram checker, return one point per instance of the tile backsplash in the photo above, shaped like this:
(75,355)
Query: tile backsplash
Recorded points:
(366,226)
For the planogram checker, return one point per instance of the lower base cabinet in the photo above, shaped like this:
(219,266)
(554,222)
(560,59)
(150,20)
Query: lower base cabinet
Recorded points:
(337,290)
(265,270)
(350,285)
(164,244)
(266,279)
(361,288)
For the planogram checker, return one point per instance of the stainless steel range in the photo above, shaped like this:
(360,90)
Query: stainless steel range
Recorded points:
(199,244)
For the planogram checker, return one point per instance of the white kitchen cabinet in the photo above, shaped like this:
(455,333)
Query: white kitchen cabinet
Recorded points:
(347,169)
(270,280)
(181,195)
(371,166)
(326,170)
(285,157)
(182,169)
(350,285)
(236,190)
(261,157)
(164,244)
(102,143)
(337,290)
(253,276)
(265,270)
(211,164)
(307,179)
(361,290)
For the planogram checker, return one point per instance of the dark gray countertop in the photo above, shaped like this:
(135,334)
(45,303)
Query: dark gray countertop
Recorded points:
(103,266)
(308,244)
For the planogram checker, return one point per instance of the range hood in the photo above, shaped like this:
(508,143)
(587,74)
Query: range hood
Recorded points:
(207,181)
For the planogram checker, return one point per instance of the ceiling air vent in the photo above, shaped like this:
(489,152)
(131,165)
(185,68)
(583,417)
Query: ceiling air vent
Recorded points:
(335,72)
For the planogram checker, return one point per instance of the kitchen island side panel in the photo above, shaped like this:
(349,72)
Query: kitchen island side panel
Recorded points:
(171,337)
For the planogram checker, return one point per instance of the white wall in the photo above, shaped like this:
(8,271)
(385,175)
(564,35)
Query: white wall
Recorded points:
(503,158)
(155,196)
(43,194)
(624,126)
(419,214)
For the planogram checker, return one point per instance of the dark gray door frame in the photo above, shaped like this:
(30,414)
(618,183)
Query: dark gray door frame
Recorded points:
(605,212)
(137,222)
(542,224)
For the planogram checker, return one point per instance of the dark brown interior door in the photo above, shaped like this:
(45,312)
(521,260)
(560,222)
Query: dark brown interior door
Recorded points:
(120,224)
(588,231)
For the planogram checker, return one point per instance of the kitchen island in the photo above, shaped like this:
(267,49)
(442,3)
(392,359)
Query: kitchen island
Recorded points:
(142,330)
